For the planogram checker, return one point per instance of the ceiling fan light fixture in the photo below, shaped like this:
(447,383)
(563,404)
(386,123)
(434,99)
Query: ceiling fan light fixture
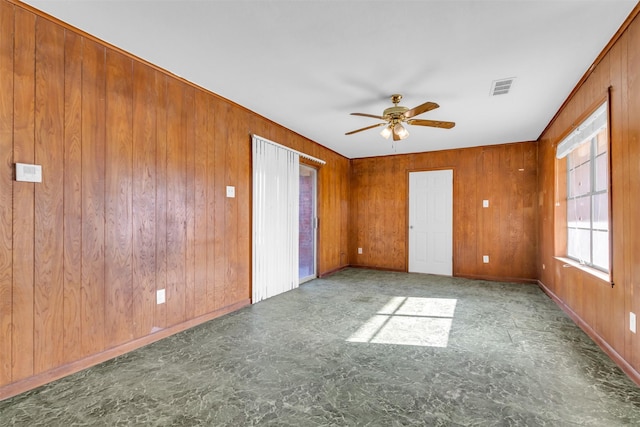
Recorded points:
(400,131)
(386,132)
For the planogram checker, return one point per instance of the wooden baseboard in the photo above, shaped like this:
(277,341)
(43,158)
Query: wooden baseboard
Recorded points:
(330,272)
(43,378)
(631,372)
(498,278)
(377,268)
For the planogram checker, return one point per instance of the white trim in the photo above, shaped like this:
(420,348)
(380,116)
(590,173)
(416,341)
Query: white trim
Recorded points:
(306,156)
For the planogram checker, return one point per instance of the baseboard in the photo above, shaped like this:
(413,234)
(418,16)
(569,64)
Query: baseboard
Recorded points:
(43,378)
(368,267)
(498,278)
(631,372)
(335,270)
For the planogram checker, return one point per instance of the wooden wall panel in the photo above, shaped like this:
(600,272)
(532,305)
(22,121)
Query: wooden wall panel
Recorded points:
(23,196)
(72,186)
(118,200)
(49,241)
(190,206)
(93,197)
(133,200)
(211,209)
(6,188)
(176,197)
(199,213)
(219,196)
(602,310)
(379,193)
(144,209)
(633,144)
(160,314)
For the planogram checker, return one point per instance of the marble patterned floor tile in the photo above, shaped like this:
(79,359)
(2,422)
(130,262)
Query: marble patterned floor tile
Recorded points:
(359,348)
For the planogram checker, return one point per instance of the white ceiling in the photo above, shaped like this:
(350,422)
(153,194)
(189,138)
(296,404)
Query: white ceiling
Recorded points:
(308,64)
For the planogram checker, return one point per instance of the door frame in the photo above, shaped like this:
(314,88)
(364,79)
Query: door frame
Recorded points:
(315,225)
(454,215)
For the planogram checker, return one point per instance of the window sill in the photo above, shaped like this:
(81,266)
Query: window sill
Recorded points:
(589,270)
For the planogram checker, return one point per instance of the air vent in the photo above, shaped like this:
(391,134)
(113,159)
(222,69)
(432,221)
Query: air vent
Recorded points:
(501,87)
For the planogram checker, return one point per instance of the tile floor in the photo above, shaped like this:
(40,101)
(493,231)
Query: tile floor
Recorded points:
(359,348)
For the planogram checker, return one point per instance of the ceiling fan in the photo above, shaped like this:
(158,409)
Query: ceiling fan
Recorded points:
(395,116)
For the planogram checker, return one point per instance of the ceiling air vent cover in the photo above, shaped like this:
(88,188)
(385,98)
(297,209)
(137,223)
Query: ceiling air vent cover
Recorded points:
(501,87)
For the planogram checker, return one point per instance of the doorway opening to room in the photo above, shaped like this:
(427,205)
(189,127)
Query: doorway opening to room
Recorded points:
(308,224)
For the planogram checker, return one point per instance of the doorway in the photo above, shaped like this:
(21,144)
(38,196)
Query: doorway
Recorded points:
(431,222)
(308,224)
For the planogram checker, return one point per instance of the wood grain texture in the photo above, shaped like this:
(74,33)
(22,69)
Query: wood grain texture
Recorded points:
(219,245)
(6,188)
(72,188)
(379,194)
(136,164)
(23,196)
(604,310)
(144,175)
(176,198)
(118,200)
(49,202)
(160,313)
(200,213)
(190,207)
(211,213)
(633,143)
(93,197)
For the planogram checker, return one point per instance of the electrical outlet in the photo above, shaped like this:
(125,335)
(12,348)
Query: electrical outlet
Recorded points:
(360,251)
(231,191)
(485,259)
(632,322)
(160,296)
(485,203)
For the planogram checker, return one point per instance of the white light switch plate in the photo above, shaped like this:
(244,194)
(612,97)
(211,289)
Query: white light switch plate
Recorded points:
(632,322)
(485,259)
(485,203)
(231,191)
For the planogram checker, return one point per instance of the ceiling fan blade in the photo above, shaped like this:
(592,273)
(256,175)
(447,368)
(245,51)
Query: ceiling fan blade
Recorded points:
(427,106)
(367,128)
(368,115)
(432,123)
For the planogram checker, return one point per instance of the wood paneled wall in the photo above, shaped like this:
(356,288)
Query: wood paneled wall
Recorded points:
(506,231)
(135,166)
(602,310)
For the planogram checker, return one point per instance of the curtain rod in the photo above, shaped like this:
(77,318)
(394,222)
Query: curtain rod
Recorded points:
(306,156)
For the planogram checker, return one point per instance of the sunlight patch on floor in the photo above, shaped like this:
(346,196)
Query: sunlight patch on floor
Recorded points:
(414,321)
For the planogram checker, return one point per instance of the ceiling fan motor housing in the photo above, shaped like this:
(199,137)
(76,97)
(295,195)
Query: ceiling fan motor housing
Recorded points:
(395,112)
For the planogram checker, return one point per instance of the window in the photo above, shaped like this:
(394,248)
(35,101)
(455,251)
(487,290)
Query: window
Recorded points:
(586,150)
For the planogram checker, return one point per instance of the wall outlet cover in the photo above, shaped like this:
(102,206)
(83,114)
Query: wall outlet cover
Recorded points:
(160,296)
(485,259)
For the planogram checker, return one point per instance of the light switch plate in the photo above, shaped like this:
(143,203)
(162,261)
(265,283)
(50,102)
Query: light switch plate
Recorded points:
(359,250)
(485,259)
(632,322)
(485,203)
(231,191)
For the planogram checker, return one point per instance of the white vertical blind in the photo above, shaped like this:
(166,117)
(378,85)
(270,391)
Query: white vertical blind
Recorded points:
(275,219)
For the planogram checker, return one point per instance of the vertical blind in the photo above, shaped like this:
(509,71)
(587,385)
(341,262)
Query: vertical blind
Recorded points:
(275,219)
